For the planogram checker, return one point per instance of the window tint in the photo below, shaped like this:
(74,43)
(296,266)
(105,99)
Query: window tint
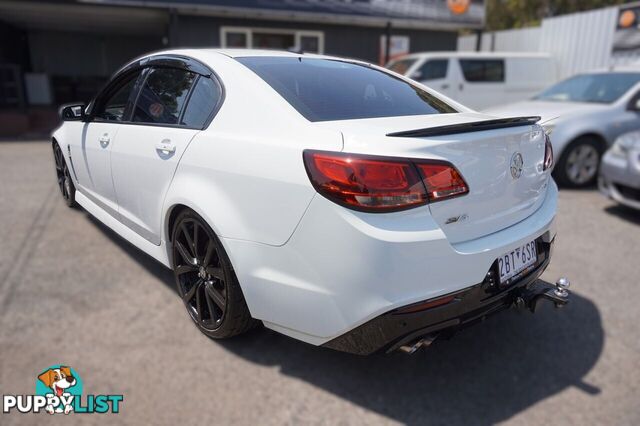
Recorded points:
(324,89)
(432,69)
(113,108)
(163,95)
(203,100)
(482,70)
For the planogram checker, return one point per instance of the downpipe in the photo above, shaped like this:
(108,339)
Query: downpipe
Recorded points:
(523,298)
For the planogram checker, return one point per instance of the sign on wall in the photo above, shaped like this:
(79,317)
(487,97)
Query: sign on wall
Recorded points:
(399,47)
(626,39)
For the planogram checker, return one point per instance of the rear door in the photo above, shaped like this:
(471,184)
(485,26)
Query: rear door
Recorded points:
(173,105)
(92,158)
(482,82)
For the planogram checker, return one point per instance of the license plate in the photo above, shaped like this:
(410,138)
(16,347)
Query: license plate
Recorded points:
(512,263)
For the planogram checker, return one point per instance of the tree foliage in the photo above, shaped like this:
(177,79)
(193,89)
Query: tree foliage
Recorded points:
(506,14)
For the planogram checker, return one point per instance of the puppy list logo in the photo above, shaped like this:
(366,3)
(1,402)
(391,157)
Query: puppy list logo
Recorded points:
(59,390)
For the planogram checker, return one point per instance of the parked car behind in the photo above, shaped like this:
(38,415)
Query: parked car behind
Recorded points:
(480,80)
(620,172)
(584,115)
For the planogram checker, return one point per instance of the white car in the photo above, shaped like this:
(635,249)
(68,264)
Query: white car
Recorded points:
(584,115)
(328,199)
(480,79)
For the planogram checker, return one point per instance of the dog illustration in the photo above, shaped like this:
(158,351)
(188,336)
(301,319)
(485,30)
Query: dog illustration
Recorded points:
(58,380)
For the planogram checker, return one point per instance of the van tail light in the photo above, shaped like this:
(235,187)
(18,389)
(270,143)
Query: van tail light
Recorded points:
(548,153)
(381,184)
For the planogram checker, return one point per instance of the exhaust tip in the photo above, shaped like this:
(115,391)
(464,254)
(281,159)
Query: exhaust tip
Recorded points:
(423,342)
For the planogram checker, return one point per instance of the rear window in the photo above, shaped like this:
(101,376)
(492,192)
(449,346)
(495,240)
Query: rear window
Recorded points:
(324,89)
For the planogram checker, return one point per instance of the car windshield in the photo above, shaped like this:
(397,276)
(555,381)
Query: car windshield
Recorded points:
(401,66)
(598,88)
(325,89)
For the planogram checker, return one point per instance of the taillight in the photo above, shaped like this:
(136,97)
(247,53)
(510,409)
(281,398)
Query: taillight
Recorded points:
(548,153)
(381,184)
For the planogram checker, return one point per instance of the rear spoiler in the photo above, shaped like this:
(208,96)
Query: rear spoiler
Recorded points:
(476,126)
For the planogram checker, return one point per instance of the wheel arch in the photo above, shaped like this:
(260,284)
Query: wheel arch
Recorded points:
(171,214)
(594,135)
(598,137)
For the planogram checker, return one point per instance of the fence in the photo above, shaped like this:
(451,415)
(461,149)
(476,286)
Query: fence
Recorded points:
(579,42)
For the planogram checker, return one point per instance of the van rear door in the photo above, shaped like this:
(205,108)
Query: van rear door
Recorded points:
(482,81)
(528,76)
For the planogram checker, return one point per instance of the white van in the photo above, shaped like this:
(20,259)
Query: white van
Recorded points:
(480,80)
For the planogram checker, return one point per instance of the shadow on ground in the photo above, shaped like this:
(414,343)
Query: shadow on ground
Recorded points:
(485,374)
(625,213)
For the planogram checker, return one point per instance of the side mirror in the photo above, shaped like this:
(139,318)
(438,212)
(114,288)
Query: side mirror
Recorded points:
(635,105)
(74,112)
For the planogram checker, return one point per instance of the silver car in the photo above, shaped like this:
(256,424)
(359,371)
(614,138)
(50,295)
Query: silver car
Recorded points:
(583,116)
(620,171)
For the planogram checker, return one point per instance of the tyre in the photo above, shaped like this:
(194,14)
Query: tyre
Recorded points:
(65,183)
(206,280)
(579,163)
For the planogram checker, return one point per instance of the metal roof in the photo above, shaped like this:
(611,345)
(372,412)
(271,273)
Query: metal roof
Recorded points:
(425,14)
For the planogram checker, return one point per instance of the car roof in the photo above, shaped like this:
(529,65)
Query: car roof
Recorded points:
(242,53)
(616,69)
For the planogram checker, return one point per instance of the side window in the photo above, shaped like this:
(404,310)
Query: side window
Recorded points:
(114,106)
(432,69)
(163,96)
(203,100)
(482,70)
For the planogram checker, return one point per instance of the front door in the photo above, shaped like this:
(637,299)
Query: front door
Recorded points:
(92,163)
(94,178)
(436,74)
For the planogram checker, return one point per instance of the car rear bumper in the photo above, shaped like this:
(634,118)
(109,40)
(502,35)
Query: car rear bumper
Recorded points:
(341,268)
(461,309)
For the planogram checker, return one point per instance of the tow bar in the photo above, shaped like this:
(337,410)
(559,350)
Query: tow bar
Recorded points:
(524,298)
(528,297)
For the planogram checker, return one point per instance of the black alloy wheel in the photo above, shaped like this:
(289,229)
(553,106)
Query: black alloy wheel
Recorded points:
(65,183)
(205,279)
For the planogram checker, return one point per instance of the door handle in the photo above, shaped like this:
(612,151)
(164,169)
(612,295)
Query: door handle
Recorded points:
(444,86)
(104,140)
(461,87)
(166,147)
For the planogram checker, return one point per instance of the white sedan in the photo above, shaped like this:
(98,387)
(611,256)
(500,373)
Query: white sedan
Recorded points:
(328,199)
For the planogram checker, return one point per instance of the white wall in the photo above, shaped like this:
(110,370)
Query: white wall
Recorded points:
(580,41)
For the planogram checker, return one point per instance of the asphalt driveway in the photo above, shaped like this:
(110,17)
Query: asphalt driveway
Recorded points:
(73,292)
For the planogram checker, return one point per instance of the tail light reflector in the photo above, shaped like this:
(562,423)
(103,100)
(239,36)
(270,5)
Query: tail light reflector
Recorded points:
(427,304)
(381,184)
